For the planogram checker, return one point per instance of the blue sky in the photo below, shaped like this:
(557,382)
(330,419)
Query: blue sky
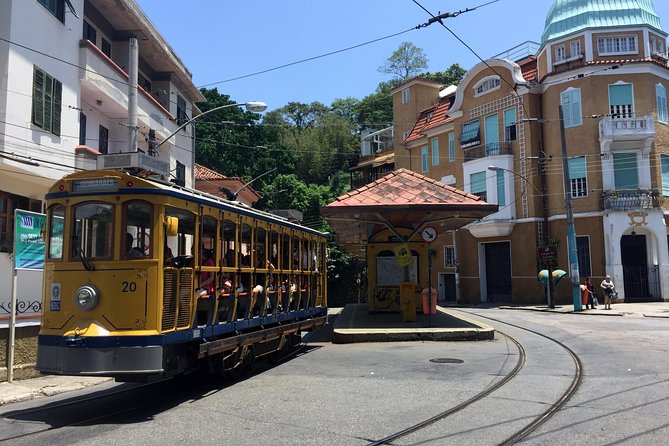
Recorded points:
(222,39)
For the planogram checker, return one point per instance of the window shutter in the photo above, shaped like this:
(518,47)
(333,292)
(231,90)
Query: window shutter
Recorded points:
(38,98)
(48,103)
(665,174)
(501,190)
(477,182)
(57,106)
(575,107)
(576,167)
(625,171)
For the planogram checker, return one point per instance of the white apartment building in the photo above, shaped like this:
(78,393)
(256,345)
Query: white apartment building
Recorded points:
(64,100)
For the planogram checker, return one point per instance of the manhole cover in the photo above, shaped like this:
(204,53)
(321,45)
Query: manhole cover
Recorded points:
(447,360)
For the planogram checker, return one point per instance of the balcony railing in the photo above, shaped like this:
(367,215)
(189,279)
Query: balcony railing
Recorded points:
(492,149)
(626,128)
(631,199)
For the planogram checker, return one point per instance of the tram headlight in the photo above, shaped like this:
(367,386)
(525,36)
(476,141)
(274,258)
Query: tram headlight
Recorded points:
(86,297)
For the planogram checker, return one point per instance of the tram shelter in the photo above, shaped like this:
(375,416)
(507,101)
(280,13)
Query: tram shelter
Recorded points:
(394,223)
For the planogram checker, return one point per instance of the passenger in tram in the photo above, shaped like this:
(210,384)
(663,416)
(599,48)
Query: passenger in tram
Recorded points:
(133,251)
(229,258)
(206,287)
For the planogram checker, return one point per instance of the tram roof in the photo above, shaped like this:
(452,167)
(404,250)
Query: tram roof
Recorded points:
(155,186)
(402,198)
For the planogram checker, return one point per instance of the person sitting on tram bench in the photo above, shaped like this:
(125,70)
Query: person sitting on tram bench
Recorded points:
(133,251)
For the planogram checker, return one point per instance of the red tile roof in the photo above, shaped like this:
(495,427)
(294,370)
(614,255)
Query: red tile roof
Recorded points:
(404,187)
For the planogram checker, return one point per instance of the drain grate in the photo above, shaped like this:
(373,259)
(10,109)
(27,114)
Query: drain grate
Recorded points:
(447,360)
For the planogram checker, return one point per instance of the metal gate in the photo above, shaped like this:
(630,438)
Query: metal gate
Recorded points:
(642,284)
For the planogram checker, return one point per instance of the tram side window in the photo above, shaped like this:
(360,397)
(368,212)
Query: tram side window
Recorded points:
(138,224)
(208,239)
(93,230)
(186,235)
(56,226)
(228,249)
(245,246)
(285,251)
(274,250)
(260,248)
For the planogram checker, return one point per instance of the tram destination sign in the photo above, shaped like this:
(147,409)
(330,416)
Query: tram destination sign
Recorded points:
(547,253)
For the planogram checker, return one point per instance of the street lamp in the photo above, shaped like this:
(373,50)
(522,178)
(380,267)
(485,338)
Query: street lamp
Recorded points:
(252,106)
(544,197)
(234,194)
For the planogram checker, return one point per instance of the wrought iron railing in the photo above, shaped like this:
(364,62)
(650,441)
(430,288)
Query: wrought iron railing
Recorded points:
(491,149)
(631,199)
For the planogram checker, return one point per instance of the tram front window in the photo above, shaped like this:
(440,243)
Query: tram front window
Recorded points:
(93,230)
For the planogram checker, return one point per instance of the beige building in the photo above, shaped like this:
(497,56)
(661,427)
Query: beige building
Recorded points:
(498,135)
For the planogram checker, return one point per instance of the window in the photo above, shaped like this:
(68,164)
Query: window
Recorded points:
(56,225)
(424,159)
(146,85)
(509,124)
(92,232)
(620,101)
(616,45)
(501,190)
(55,7)
(181,110)
(103,140)
(575,49)
(405,96)
(664,160)
(449,256)
(661,98)
(451,147)
(180,174)
(491,124)
(137,217)
(90,33)
(625,172)
(577,177)
(583,255)
(471,134)
(82,129)
(390,273)
(105,46)
(47,97)
(435,151)
(571,107)
(487,84)
(477,185)
(657,46)
(560,54)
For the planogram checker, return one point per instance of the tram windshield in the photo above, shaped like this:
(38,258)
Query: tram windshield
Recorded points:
(92,235)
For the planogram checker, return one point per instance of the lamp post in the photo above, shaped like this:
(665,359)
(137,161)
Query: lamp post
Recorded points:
(252,106)
(235,193)
(571,232)
(544,197)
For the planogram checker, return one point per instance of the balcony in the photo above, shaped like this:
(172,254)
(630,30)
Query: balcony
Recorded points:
(631,199)
(486,150)
(627,129)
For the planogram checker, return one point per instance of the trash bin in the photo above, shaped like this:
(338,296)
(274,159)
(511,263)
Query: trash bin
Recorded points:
(431,306)
(407,302)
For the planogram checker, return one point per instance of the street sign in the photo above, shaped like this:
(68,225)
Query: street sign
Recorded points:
(429,234)
(547,253)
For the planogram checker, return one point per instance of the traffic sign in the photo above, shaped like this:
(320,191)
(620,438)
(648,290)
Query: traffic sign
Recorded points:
(429,234)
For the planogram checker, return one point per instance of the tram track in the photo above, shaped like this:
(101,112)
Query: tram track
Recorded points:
(536,422)
(149,394)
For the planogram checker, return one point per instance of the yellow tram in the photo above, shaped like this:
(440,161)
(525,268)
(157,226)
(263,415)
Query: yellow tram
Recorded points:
(144,279)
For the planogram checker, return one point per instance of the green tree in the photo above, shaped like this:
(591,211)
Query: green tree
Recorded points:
(451,76)
(406,61)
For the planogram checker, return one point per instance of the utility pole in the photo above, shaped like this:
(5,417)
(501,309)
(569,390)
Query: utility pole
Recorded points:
(571,232)
(133,70)
(546,232)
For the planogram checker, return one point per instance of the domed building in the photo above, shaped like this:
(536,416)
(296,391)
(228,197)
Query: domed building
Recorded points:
(570,138)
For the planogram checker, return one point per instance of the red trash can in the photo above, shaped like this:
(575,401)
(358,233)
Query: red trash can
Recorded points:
(429,307)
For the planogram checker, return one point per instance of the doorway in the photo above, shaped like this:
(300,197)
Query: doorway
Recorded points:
(498,271)
(641,282)
(447,290)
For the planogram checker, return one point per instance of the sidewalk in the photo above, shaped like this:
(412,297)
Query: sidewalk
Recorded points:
(644,309)
(45,385)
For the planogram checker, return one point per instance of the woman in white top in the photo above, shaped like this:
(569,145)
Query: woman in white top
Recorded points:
(607,285)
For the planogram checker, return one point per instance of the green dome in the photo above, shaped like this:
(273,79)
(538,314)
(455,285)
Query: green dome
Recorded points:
(569,16)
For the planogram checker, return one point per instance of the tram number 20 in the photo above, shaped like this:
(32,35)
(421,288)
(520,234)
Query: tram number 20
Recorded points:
(128,287)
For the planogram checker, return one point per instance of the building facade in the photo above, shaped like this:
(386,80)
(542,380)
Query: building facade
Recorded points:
(64,100)
(593,94)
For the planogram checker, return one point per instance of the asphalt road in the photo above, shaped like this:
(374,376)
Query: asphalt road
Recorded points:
(354,394)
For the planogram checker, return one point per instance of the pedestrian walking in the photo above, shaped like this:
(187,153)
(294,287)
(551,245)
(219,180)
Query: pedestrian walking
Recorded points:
(609,289)
(588,294)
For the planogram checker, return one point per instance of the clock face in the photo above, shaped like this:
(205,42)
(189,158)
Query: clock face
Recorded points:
(429,234)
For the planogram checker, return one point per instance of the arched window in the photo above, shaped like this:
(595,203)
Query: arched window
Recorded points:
(486,85)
